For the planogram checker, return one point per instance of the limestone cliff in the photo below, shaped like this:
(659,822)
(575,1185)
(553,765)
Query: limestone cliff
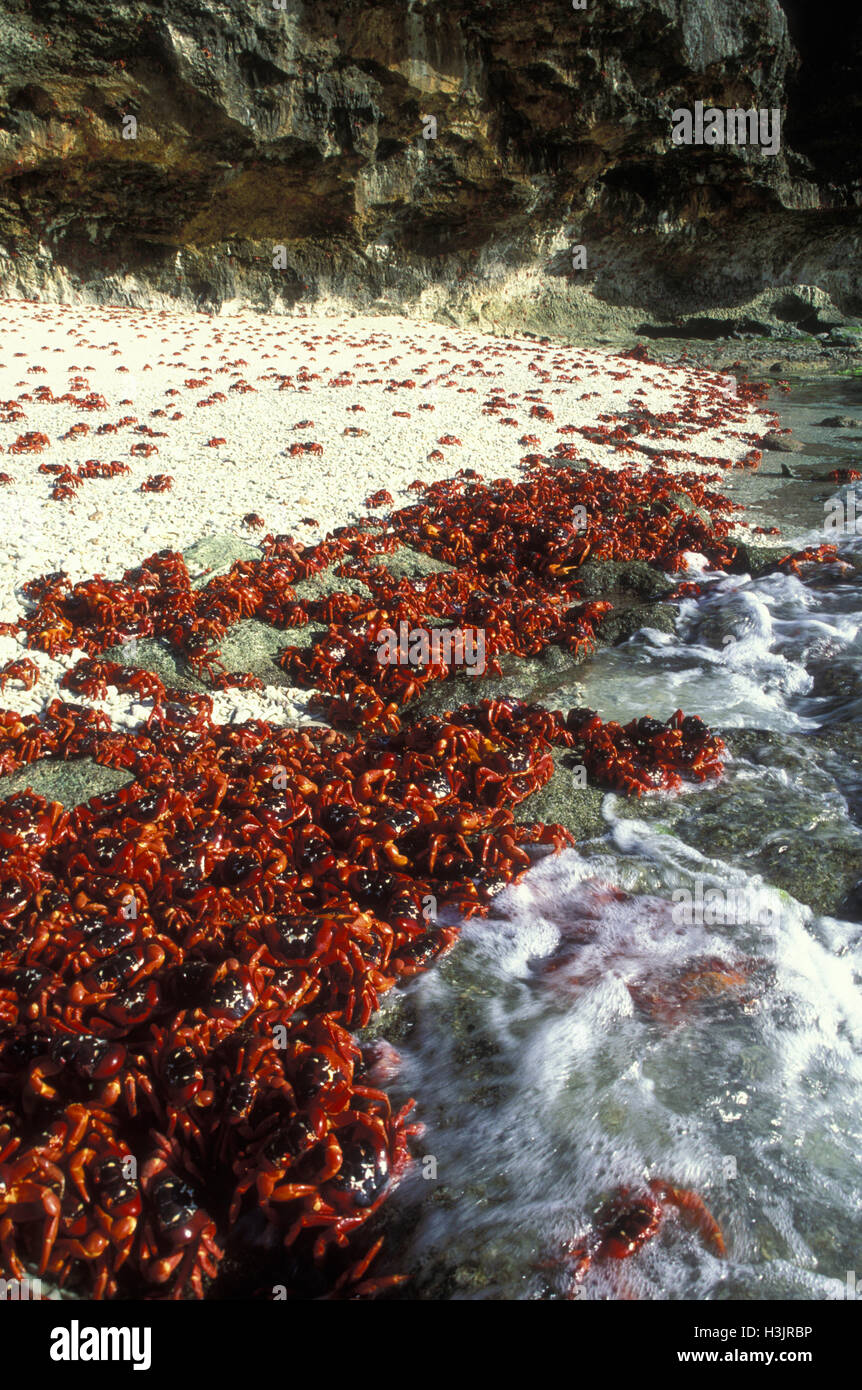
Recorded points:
(309,127)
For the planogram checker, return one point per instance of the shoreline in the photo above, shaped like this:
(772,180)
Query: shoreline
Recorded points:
(339,853)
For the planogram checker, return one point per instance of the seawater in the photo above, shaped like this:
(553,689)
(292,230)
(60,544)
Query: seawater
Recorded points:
(545,1088)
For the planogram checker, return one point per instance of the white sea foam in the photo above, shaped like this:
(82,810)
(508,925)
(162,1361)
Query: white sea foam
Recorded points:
(565,1088)
(562,1090)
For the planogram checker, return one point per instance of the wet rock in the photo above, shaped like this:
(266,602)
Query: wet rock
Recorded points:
(556,661)
(602,578)
(756,560)
(819,870)
(798,837)
(837,680)
(734,621)
(850,907)
(564,801)
(624,623)
(841,422)
(803,836)
(549,680)
(393,1021)
(839,745)
(782,443)
(769,749)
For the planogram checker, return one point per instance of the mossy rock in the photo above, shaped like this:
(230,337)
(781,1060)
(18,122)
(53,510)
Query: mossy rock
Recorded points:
(757,560)
(248,646)
(797,841)
(841,745)
(407,563)
(327,582)
(839,680)
(770,749)
(822,870)
(624,623)
(685,504)
(598,578)
(535,680)
(563,802)
(253,646)
(215,555)
(72,783)
(154,655)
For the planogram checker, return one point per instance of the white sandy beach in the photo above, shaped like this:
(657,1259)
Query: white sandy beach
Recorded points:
(153,368)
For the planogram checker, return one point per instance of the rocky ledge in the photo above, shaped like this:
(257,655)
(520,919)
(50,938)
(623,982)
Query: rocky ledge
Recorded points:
(442,159)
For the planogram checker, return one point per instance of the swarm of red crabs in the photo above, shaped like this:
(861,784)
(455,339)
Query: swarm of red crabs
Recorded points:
(182,961)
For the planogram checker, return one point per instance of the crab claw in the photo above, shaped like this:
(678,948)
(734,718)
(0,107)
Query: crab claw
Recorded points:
(695,1213)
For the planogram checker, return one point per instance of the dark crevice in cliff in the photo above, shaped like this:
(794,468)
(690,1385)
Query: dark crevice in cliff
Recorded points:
(824,119)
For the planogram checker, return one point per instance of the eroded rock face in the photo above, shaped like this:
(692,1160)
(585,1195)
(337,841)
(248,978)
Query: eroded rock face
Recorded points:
(310,127)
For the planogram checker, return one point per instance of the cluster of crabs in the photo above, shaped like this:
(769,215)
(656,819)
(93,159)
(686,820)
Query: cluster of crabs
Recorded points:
(182,961)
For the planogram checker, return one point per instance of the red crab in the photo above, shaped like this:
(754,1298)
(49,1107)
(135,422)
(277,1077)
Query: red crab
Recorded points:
(28,1194)
(25,671)
(629,1220)
(30,443)
(184,955)
(178,1241)
(819,555)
